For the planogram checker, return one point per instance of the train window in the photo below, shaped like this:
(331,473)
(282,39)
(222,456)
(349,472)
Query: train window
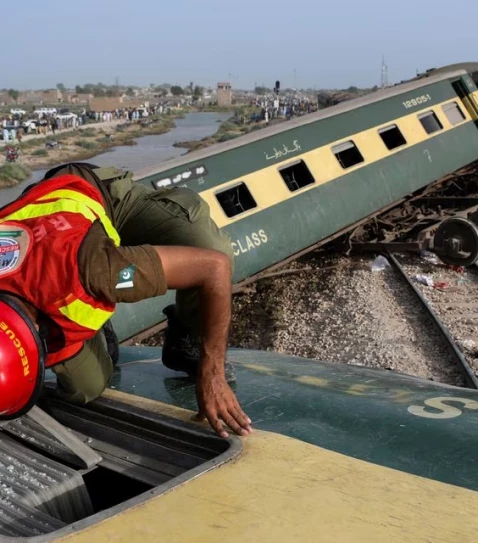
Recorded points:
(453,113)
(392,137)
(297,175)
(347,154)
(430,122)
(236,200)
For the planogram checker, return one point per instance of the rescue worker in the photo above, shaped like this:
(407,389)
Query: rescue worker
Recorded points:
(86,238)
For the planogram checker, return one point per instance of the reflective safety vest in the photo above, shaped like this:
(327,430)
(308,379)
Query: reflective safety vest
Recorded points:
(40,236)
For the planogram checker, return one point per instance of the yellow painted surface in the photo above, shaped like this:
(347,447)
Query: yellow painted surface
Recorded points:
(269,189)
(283,490)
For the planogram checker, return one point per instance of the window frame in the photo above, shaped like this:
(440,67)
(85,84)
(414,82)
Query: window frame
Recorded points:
(242,213)
(429,113)
(455,107)
(351,145)
(380,131)
(290,165)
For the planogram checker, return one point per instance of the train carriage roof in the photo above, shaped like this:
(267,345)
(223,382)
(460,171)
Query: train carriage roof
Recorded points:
(438,75)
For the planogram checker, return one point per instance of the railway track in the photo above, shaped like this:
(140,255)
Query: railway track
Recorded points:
(455,352)
(334,308)
(393,228)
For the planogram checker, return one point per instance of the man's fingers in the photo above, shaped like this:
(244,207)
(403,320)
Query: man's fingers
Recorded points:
(217,426)
(234,426)
(241,417)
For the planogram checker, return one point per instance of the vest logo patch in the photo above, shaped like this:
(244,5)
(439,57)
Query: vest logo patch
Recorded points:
(125,277)
(14,247)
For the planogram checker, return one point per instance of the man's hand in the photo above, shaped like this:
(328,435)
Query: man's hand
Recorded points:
(210,272)
(217,402)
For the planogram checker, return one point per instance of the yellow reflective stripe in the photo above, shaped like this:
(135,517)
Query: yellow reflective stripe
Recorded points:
(78,197)
(92,204)
(33,211)
(85,315)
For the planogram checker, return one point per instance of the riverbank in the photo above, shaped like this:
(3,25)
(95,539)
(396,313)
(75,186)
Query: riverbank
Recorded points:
(77,145)
(12,174)
(227,131)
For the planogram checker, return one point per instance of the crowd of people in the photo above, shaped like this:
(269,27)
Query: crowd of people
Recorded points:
(268,108)
(14,126)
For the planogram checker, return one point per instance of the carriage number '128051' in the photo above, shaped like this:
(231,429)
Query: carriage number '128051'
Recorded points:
(417,101)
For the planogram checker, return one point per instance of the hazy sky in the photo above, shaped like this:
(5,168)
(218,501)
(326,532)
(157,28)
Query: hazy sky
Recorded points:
(329,43)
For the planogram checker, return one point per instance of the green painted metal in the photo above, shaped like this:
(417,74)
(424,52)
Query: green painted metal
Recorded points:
(374,415)
(265,238)
(250,157)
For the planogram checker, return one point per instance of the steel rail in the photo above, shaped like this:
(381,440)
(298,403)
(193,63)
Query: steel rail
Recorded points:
(463,365)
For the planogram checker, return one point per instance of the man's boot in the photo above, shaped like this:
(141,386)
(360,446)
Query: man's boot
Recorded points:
(182,350)
(111,342)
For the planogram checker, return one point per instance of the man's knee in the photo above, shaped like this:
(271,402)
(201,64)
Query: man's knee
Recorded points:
(81,393)
(221,242)
(85,377)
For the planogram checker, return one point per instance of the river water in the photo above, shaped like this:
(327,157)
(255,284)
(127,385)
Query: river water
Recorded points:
(149,151)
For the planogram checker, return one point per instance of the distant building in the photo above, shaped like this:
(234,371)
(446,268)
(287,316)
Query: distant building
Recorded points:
(132,101)
(30,97)
(116,102)
(52,96)
(105,103)
(80,98)
(224,94)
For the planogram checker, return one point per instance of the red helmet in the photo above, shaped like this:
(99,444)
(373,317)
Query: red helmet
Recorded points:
(22,360)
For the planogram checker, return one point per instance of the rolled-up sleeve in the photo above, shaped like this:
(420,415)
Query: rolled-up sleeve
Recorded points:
(119,274)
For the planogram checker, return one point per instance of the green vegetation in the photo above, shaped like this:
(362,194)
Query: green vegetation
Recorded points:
(14,94)
(176,90)
(40,152)
(228,136)
(12,174)
(86,144)
(88,133)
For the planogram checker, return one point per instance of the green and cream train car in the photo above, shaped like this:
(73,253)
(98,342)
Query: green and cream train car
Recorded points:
(282,189)
(339,454)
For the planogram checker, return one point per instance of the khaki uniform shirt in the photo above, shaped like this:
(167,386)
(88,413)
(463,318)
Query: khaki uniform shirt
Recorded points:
(117,274)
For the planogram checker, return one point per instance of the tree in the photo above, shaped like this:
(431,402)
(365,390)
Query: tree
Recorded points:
(176,90)
(262,90)
(198,92)
(159,92)
(79,89)
(352,90)
(61,87)
(14,94)
(130,91)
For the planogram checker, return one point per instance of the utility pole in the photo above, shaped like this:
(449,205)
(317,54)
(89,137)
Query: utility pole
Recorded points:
(384,74)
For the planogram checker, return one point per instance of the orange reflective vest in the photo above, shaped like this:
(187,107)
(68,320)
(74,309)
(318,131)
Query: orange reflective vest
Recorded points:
(40,236)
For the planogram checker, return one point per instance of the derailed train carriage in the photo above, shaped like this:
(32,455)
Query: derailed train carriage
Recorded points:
(283,189)
(339,453)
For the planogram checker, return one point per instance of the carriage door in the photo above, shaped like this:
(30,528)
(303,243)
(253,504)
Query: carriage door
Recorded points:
(466,89)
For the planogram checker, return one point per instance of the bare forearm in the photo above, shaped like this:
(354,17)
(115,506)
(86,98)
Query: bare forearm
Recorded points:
(216,318)
(209,272)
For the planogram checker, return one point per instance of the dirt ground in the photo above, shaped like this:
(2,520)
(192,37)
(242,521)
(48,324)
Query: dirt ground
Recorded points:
(337,309)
